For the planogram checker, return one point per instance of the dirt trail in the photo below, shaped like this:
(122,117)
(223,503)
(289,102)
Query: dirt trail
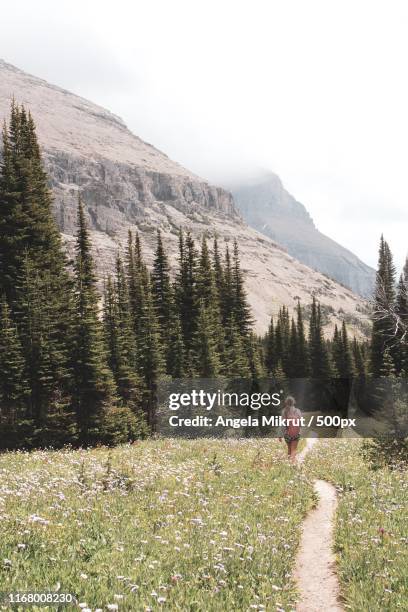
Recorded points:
(315,571)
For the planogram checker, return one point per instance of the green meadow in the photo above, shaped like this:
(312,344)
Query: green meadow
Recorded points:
(196,525)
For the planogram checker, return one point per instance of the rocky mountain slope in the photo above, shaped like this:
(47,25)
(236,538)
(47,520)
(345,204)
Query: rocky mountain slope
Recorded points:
(126,183)
(268,207)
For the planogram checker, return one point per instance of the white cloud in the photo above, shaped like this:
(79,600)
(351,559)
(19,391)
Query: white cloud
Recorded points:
(316,91)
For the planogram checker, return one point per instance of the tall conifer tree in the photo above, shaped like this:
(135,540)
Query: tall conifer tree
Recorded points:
(26,222)
(162,295)
(161,287)
(384,298)
(14,390)
(241,309)
(150,356)
(208,296)
(302,361)
(206,354)
(271,357)
(95,389)
(293,352)
(120,340)
(186,291)
(401,339)
(319,360)
(34,279)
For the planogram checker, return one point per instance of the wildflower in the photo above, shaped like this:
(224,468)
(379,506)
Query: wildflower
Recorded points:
(83,576)
(161,600)
(112,607)
(176,577)
(34,518)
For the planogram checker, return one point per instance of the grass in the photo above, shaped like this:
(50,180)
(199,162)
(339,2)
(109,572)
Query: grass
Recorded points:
(371,527)
(176,525)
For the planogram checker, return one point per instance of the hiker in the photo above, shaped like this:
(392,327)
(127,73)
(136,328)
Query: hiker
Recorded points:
(291,431)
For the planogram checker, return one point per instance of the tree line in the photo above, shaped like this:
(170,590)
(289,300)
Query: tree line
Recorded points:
(80,368)
(73,372)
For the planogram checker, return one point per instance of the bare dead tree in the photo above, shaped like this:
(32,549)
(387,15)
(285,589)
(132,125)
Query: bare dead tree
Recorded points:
(383,310)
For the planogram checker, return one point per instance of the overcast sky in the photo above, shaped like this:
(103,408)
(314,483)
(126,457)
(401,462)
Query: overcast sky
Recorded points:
(316,91)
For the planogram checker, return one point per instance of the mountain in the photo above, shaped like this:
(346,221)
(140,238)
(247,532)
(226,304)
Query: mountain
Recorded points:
(268,207)
(126,183)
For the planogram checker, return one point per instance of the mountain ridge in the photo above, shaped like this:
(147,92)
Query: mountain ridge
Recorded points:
(128,184)
(269,208)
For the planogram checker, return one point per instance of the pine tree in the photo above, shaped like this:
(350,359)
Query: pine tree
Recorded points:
(348,367)
(26,222)
(186,290)
(319,360)
(207,295)
(337,351)
(34,279)
(271,357)
(359,361)
(236,359)
(218,272)
(227,295)
(282,339)
(95,389)
(150,357)
(241,310)
(144,316)
(206,355)
(120,340)
(388,366)
(401,341)
(132,279)
(161,290)
(256,369)
(127,340)
(205,276)
(140,264)
(176,358)
(302,368)
(293,351)
(14,390)
(384,298)
(137,280)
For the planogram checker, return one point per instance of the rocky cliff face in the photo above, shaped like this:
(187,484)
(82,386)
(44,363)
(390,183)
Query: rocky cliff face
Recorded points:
(126,183)
(268,207)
